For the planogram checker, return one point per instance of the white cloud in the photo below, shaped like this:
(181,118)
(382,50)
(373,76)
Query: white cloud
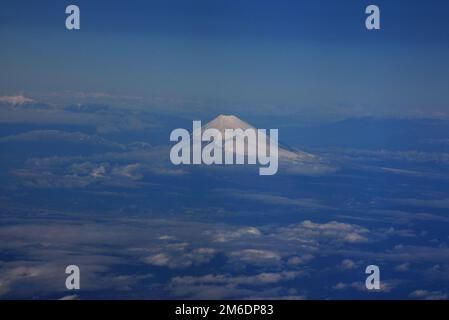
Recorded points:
(255,280)
(256,256)
(293,261)
(274,199)
(348,264)
(429,295)
(180,256)
(385,286)
(160,260)
(403,267)
(337,232)
(231,235)
(340,286)
(222,286)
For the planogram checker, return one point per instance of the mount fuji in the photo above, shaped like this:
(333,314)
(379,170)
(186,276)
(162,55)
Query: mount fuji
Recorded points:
(223,122)
(239,145)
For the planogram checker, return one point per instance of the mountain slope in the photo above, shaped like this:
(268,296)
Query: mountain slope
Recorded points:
(223,122)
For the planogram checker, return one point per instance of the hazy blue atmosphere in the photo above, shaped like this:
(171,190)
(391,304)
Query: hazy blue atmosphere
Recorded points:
(86,179)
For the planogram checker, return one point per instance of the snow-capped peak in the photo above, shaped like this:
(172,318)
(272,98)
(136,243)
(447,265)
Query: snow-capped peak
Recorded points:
(15,100)
(223,122)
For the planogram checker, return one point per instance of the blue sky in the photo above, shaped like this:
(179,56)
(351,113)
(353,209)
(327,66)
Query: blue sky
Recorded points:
(261,54)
